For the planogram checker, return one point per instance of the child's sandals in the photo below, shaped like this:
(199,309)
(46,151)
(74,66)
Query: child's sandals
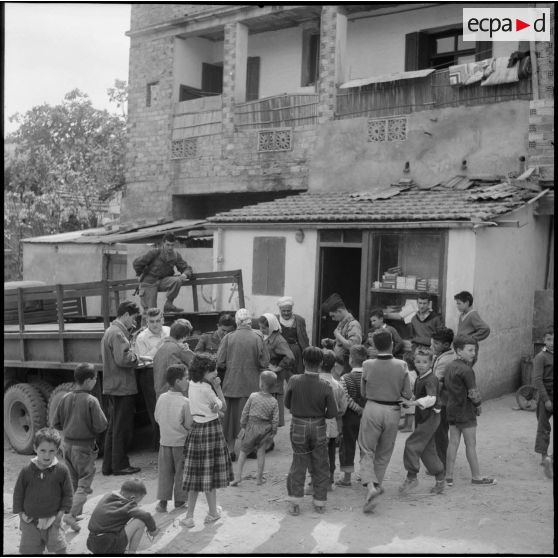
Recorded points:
(213,518)
(187,522)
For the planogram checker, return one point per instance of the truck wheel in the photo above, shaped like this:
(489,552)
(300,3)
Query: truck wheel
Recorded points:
(44,388)
(24,414)
(527,398)
(55,397)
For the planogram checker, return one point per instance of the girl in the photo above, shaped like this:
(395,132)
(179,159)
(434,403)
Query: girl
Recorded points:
(207,462)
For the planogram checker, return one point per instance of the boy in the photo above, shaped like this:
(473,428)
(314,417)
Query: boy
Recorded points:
(463,407)
(117,523)
(421,445)
(42,494)
(81,419)
(350,383)
(172,413)
(470,323)
(543,380)
(377,324)
(258,424)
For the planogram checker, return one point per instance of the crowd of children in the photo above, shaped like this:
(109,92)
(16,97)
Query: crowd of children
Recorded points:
(363,407)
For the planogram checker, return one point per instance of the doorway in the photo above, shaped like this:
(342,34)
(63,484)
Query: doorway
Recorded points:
(340,271)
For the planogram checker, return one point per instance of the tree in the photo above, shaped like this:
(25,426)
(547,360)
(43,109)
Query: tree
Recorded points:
(60,163)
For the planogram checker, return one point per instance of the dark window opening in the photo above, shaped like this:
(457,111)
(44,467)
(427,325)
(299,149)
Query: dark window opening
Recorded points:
(151,93)
(212,78)
(310,57)
(252,78)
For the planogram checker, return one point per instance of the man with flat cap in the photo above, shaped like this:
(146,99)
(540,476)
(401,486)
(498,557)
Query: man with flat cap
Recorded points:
(347,333)
(293,329)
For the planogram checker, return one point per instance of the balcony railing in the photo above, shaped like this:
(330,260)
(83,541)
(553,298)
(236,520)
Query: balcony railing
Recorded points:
(197,117)
(431,92)
(280,110)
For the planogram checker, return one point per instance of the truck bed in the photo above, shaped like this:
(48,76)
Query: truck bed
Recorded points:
(53,326)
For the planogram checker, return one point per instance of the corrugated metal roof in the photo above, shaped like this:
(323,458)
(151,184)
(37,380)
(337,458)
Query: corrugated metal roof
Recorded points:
(386,77)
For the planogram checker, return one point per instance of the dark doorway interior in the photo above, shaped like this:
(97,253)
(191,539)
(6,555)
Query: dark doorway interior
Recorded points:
(339,273)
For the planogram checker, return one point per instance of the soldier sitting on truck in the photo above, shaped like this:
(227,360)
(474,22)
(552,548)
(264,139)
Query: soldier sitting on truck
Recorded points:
(156,274)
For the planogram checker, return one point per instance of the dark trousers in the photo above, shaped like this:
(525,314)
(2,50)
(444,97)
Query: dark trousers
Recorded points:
(441,437)
(146,385)
(421,446)
(351,427)
(331,447)
(542,440)
(119,433)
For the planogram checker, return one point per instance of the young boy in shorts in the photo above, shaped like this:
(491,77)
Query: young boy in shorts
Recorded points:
(81,419)
(258,424)
(421,444)
(543,380)
(117,523)
(172,413)
(462,408)
(42,494)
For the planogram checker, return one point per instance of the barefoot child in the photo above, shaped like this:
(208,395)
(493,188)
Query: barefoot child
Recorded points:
(117,523)
(207,462)
(172,413)
(43,492)
(463,407)
(421,444)
(81,419)
(258,424)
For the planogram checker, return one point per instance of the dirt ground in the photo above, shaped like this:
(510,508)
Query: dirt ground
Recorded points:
(513,517)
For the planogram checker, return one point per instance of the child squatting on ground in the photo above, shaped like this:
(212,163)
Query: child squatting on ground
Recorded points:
(117,523)
(172,413)
(421,444)
(543,380)
(258,424)
(463,407)
(81,419)
(207,462)
(42,494)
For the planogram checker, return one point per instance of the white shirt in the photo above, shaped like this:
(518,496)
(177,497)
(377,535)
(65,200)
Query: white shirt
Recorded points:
(201,395)
(172,413)
(147,342)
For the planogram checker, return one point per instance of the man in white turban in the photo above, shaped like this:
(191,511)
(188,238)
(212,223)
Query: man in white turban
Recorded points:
(293,329)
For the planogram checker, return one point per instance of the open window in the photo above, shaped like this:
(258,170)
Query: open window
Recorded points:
(310,57)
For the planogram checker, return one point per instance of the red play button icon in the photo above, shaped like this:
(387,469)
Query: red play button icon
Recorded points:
(519,25)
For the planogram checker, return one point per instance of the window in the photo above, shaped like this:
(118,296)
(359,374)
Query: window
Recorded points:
(253,78)
(441,48)
(310,57)
(268,266)
(151,93)
(212,79)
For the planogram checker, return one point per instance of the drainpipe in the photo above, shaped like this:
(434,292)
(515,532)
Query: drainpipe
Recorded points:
(218,266)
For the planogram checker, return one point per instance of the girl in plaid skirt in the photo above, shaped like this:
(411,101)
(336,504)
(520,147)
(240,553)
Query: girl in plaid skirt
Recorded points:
(207,462)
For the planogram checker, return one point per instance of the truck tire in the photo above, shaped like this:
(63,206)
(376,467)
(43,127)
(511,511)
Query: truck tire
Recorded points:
(55,397)
(24,414)
(44,388)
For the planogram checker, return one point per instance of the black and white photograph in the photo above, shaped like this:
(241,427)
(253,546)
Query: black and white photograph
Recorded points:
(278,278)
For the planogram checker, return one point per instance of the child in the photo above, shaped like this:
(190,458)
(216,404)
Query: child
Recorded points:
(172,412)
(543,380)
(409,413)
(421,444)
(43,492)
(207,462)
(470,323)
(81,419)
(377,324)
(258,424)
(117,523)
(351,419)
(462,408)
(334,426)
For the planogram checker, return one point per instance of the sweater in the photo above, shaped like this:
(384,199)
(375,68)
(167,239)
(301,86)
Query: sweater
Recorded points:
(439,365)
(462,393)
(172,413)
(201,397)
(426,394)
(473,325)
(113,512)
(308,396)
(351,386)
(170,352)
(543,374)
(119,361)
(80,417)
(422,330)
(43,492)
(385,379)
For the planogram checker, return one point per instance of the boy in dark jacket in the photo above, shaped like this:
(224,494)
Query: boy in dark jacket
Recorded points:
(81,419)
(421,444)
(43,492)
(117,523)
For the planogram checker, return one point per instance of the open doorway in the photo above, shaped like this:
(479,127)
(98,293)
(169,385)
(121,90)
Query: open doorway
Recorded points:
(339,273)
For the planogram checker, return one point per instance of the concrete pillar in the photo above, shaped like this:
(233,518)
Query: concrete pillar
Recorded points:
(332,67)
(234,71)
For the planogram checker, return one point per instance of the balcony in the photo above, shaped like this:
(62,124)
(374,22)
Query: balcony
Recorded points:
(197,117)
(431,92)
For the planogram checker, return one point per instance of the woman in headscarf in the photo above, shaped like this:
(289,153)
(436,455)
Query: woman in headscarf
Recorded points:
(242,355)
(293,329)
(281,358)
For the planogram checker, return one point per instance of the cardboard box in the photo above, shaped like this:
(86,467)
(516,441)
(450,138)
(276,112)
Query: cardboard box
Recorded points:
(410,282)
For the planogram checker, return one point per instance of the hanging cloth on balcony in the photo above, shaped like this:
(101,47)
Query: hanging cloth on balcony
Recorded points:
(472,72)
(501,73)
(360,82)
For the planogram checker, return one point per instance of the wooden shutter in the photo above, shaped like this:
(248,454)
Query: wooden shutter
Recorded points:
(417,53)
(483,49)
(212,78)
(268,266)
(253,78)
